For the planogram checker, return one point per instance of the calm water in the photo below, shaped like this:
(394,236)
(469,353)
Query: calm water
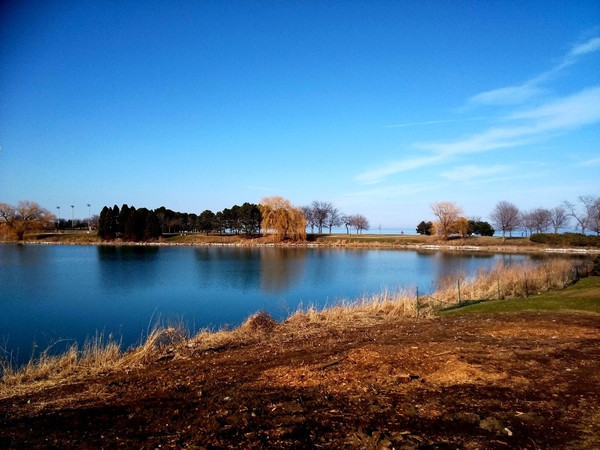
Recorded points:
(67,293)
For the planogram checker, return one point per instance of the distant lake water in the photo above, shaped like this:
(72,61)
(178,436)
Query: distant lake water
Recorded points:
(51,293)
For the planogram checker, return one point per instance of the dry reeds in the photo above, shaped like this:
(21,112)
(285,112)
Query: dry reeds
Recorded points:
(506,281)
(97,354)
(500,282)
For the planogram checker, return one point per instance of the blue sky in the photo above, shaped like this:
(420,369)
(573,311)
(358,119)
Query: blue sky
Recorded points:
(381,108)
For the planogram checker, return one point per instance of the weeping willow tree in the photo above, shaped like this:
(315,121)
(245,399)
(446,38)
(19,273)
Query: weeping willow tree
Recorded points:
(282,219)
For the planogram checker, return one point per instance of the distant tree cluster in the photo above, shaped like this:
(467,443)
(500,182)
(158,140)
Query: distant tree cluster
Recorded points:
(24,218)
(129,224)
(245,219)
(586,214)
(480,228)
(135,225)
(357,221)
(449,221)
(320,215)
(507,217)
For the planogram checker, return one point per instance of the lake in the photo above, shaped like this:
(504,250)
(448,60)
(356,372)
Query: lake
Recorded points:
(51,293)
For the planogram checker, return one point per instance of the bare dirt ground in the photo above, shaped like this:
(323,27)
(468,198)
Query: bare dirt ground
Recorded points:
(526,380)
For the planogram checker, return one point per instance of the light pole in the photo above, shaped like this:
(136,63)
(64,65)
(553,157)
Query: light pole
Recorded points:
(72,217)
(89,218)
(58,219)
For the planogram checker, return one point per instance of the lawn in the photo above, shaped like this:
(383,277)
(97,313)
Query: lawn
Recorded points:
(583,296)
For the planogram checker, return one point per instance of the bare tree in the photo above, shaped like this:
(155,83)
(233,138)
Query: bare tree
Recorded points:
(309,217)
(558,218)
(586,215)
(334,218)
(26,216)
(596,217)
(346,220)
(527,222)
(446,213)
(359,222)
(320,211)
(505,216)
(542,219)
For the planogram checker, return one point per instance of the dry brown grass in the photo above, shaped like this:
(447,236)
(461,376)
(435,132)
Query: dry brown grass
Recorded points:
(507,282)
(97,355)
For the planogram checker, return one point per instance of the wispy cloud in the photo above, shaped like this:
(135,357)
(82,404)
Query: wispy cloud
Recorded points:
(588,162)
(470,172)
(590,46)
(394,191)
(582,108)
(519,128)
(381,173)
(414,124)
(513,95)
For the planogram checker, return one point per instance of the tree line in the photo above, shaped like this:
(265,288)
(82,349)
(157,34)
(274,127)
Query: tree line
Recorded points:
(475,227)
(584,214)
(273,215)
(131,224)
(506,217)
(320,215)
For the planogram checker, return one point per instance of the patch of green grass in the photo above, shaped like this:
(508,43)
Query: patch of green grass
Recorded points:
(582,296)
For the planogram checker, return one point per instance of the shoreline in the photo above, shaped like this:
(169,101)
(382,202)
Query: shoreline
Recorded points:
(322,376)
(341,244)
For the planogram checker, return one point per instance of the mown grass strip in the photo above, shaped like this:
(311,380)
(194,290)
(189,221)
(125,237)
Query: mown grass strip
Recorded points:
(583,296)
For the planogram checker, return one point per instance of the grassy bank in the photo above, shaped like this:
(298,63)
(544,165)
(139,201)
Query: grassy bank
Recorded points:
(583,296)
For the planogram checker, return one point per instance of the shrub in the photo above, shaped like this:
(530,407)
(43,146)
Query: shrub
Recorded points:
(566,239)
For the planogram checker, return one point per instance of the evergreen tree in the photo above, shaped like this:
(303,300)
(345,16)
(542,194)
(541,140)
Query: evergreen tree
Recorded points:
(114,222)
(250,218)
(152,227)
(107,224)
(207,221)
(123,216)
(132,232)
(102,223)
(424,228)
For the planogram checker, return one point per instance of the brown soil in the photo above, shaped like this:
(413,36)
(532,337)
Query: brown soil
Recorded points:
(528,380)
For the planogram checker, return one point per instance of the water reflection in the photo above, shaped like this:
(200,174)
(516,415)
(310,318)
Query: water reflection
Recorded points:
(127,267)
(236,268)
(271,270)
(280,269)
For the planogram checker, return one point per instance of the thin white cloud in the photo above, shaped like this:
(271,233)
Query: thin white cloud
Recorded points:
(580,109)
(379,174)
(592,45)
(394,191)
(430,122)
(588,162)
(510,95)
(576,110)
(523,127)
(513,95)
(413,124)
(470,172)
